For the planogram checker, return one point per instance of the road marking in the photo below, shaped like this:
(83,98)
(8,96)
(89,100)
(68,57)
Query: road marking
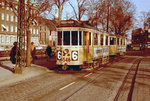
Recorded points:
(88,74)
(67,86)
(100,68)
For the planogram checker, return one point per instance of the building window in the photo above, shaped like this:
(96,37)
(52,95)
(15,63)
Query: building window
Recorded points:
(7,8)
(2,16)
(7,28)
(16,19)
(2,4)
(12,18)
(33,31)
(12,29)
(37,31)
(7,17)
(16,29)
(7,39)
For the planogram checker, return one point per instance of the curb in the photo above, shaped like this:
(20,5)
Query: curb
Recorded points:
(15,78)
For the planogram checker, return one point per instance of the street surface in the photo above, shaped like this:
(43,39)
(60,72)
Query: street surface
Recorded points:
(123,79)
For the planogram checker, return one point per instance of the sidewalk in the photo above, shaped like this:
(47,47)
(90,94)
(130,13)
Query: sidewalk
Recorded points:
(7,76)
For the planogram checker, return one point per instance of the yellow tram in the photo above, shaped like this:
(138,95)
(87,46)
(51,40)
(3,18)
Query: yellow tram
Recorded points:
(117,45)
(81,46)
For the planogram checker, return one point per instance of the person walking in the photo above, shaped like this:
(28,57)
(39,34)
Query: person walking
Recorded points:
(33,50)
(48,51)
(13,55)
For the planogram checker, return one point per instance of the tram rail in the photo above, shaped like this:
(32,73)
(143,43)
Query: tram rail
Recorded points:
(134,67)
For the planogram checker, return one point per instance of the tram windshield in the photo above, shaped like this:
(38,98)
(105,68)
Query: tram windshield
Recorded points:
(74,38)
(59,38)
(69,38)
(66,37)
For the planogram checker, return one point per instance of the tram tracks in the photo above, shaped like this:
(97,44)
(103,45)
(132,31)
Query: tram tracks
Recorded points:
(134,68)
(48,91)
(90,81)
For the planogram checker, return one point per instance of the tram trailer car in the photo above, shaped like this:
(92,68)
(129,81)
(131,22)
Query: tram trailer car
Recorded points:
(121,45)
(81,46)
(117,45)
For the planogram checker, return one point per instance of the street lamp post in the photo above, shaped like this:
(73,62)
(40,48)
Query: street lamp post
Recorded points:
(20,36)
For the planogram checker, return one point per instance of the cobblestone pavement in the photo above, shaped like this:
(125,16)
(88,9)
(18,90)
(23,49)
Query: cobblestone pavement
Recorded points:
(47,85)
(30,89)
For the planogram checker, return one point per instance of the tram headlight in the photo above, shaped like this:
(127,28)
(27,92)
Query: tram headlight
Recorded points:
(66,51)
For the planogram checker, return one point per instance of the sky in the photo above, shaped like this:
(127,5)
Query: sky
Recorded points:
(141,5)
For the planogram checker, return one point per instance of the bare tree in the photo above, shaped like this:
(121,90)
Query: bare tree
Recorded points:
(60,5)
(92,12)
(115,16)
(121,18)
(145,19)
(81,7)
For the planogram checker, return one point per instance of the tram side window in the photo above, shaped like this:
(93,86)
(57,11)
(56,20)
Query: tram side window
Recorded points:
(117,41)
(121,41)
(80,38)
(59,42)
(84,38)
(95,39)
(74,38)
(90,38)
(101,39)
(106,40)
(66,37)
(112,41)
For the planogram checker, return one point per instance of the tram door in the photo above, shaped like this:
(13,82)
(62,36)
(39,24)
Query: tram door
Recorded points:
(86,45)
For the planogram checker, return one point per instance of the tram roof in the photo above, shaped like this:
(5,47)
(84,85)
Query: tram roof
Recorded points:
(74,23)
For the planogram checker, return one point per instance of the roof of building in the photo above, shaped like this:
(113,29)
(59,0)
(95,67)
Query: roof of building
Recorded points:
(51,24)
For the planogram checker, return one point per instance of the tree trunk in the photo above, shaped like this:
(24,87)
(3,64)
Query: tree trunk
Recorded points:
(28,55)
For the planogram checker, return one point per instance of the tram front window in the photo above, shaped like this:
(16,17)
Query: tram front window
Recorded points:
(74,38)
(66,37)
(59,41)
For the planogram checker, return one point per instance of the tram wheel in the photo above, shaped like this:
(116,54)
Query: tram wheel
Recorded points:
(65,67)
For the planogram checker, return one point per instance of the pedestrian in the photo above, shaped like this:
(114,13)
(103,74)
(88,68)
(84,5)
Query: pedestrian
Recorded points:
(33,50)
(13,55)
(48,51)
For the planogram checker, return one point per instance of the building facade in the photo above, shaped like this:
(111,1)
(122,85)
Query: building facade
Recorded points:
(40,32)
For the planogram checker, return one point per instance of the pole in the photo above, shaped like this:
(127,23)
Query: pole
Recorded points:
(20,34)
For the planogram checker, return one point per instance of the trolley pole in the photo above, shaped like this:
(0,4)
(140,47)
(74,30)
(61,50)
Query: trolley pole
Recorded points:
(20,36)
(108,17)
